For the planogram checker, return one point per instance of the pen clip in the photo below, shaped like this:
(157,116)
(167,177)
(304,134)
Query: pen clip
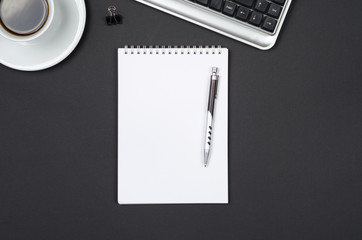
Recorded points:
(216,88)
(215,80)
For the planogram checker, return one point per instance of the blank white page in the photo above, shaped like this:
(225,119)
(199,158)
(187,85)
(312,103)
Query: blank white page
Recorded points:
(162,106)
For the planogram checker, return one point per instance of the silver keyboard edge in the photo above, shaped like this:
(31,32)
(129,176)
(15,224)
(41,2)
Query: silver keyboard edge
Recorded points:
(220,24)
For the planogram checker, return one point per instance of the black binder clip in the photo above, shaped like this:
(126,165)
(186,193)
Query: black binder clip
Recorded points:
(113,18)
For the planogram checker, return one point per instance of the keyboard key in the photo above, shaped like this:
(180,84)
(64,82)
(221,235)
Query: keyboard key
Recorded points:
(242,13)
(281,2)
(274,10)
(216,4)
(269,24)
(247,3)
(203,2)
(261,5)
(256,18)
(229,8)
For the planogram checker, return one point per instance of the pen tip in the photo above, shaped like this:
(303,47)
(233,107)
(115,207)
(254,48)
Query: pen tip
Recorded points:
(204,165)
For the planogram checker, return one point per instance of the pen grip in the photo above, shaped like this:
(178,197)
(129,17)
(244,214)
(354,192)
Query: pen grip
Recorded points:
(208,131)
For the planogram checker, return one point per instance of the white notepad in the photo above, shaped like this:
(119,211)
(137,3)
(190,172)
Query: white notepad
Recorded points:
(162,105)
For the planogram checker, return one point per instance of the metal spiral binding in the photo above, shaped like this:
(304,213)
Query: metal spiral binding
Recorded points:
(177,50)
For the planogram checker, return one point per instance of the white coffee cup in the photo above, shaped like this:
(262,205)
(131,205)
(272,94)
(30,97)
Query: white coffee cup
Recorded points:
(25,38)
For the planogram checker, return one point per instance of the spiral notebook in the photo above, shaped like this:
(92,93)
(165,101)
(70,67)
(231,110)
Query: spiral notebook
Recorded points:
(162,105)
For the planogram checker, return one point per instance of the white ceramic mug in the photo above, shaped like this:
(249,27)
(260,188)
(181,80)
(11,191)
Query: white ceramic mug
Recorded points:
(41,31)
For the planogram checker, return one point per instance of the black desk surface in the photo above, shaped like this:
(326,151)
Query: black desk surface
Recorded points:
(295,145)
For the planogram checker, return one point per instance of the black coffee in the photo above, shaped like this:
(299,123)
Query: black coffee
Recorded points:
(23,17)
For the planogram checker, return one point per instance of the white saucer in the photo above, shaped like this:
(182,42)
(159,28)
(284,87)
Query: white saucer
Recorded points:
(53,46)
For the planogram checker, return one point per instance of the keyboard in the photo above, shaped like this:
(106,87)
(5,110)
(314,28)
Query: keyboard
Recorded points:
(254,22)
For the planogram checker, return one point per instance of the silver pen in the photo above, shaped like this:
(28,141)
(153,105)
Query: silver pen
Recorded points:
(210,113)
